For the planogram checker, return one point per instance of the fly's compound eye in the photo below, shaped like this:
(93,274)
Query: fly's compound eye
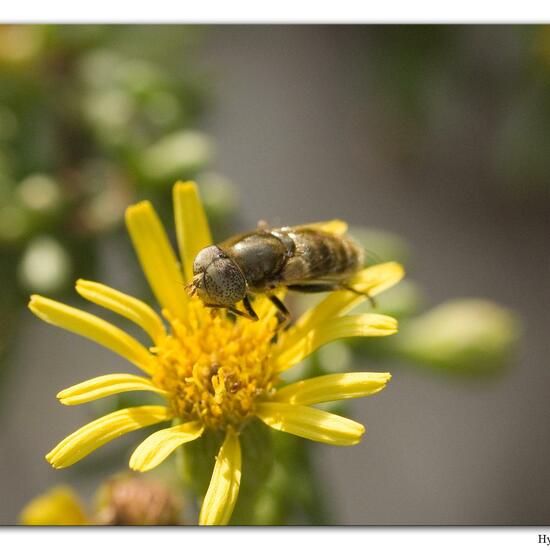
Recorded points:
(223,283)
(204,258)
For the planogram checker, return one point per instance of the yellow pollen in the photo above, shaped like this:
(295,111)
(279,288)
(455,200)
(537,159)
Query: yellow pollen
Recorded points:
(214,368)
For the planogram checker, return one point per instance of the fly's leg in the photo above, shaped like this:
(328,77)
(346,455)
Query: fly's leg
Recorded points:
(283,315)
(215,310)
(315,287)
(247,315)
(355,291)
(366,294)
(327,287)
(248,306)
(240,313)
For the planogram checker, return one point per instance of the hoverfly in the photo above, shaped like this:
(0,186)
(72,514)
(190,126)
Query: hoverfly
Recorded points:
(307,258)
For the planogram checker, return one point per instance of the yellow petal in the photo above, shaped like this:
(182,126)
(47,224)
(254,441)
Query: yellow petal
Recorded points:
(223,490)
(367,324)
(372,280)
(133,309)
(59,506)
(94,328)
(95,434)
(192,228)
(157,258)
(310,423)
(158,446)
(102,386)
(264,307)
(333,387)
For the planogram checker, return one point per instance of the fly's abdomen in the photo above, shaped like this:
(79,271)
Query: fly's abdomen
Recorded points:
(319,255)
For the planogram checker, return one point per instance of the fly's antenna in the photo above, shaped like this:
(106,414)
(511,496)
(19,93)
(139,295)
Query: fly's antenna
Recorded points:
(193,285)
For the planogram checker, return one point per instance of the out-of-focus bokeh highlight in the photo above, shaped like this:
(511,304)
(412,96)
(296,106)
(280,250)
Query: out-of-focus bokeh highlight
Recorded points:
(431,141)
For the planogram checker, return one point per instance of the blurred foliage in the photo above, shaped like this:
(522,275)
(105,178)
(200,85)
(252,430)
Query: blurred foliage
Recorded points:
(470,97)
(92,118)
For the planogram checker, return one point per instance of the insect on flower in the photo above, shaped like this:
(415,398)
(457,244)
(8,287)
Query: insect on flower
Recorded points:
(304,258)
(214,374)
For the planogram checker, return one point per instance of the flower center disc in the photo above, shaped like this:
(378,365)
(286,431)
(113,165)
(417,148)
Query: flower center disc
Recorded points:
(214,368)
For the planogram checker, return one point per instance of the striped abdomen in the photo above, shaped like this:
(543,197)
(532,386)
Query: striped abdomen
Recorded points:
(318,255)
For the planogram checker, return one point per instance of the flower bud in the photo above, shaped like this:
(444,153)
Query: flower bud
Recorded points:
(45,266)
(176,156)
(58,506)
(108,193)
(138,77)
(40,194)
(465,335)
(109,112)
(133,500)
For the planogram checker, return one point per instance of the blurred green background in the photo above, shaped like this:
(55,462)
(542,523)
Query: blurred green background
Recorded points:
(431,141)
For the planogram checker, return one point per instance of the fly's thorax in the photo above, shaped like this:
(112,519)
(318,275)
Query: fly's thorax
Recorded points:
(217,278)
(260,257)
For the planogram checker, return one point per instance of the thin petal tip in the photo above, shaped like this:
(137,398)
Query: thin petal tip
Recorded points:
(141,466)
(388,323)
(61,394)
(361,430)
(34,299)
(395,267)
(136,209)
(384,378)
(399,272)
(184,186)
(36,305)
(136,465)
(65,399)
(50,459)
(81,283)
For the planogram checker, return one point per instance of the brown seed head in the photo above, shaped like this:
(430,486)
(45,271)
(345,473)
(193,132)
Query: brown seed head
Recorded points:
(132,500)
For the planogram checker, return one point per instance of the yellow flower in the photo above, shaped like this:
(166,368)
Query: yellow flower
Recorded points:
(214,372)
(58,506)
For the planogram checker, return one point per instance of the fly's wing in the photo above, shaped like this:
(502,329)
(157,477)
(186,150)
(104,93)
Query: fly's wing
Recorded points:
(336,227)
